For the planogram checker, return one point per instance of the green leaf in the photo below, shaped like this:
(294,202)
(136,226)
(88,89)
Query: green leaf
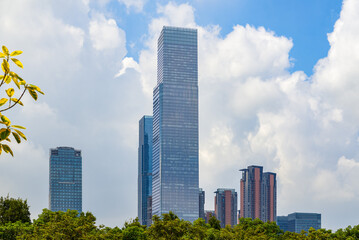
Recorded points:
(3,101)
(20,133)
(18,101)
(17,137)
(8,139)
(33,94)
(15,53)
(17,126)
(7,149)
(4,133)
(7,79)
(17,62)
(10,92)
(5,50)
(5,120)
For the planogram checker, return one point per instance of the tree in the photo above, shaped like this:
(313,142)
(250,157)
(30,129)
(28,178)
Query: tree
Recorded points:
(63,225)
(169,227)
(13,210)
(214,223)
(13,78)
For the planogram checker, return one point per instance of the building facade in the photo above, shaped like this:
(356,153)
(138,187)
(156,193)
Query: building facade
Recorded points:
(65,190)
(145,169)
(202,201)
(175,125)
(258,194)
(296,222)
(225,206)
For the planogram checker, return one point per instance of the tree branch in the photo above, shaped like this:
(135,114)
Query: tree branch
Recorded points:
(15,102)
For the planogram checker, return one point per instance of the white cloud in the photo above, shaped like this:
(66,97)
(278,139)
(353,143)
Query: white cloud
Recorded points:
(105,33)
(137,5)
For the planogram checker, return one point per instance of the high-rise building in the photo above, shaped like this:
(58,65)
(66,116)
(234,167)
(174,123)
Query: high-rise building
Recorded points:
(65,179)
(225,206)
(258,194)
(175,125)
(202,200)
(296,222)
(145,169)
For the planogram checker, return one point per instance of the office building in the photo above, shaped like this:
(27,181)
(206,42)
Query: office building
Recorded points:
(258,194)
(175,125)
(225,206)
(202,201)
(296,222)
(65,179)
(144,168)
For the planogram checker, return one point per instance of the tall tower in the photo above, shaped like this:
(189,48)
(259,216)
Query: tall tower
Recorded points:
(145,169)
(175,125)
(65,179)
(225,206)
(258,194)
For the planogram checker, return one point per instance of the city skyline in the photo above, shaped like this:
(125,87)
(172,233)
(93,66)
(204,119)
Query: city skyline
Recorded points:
(277,82)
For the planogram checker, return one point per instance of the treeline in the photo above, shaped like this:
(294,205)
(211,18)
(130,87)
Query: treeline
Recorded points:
(15,224)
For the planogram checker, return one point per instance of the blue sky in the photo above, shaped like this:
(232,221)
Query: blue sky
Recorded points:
(307,22)
(277,87)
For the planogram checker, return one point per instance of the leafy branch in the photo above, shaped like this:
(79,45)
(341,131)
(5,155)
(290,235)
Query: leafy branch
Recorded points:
(8,78)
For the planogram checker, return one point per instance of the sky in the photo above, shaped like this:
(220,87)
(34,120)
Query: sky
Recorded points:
(277,88)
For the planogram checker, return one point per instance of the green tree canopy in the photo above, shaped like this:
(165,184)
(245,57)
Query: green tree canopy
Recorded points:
(13,210)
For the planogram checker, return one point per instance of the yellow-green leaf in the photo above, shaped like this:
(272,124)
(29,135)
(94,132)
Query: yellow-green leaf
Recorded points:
(1,77)
(16,82)
(10,92)
(2,55)
(17,62)
(0,149)
(18,101)
(17,126)
(3,101)
(5,50)
(15,53)
(20,133)
(5,66)
(33,94)
(17,137)
(4,133)
(7,79)
(8,139)
(7,149)
(5,120)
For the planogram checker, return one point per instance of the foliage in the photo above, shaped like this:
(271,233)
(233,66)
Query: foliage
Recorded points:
(72,225)
(13,210)
(12,78)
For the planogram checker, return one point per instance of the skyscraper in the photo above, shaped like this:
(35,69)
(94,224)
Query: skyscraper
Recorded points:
(225,206)
(296,222)
(175,125)
(65,179)
(145,169)
(258,194)
(202,200)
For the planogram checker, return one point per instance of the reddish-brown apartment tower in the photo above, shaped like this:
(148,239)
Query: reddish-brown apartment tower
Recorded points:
(258,194)
(225,206)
